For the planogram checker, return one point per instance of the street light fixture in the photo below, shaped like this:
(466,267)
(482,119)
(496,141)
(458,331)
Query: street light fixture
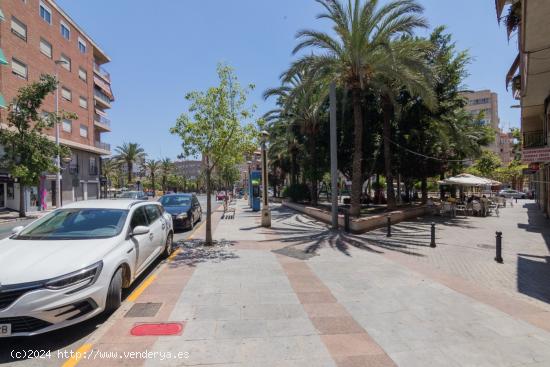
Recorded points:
(57,159)
(266,214)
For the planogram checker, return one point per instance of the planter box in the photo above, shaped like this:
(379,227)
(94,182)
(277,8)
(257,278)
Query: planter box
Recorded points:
(361,225)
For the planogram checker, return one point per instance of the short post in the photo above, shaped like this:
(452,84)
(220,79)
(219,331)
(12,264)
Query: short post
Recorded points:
(389,226)
(346,220)
(498,257)
(432,242)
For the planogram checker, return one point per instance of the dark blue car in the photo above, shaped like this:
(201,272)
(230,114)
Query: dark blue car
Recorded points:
(184,208)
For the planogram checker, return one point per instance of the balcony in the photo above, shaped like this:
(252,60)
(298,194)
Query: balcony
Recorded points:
(102,122)
(534,139)
(103,146)
(102,72)
(102,98)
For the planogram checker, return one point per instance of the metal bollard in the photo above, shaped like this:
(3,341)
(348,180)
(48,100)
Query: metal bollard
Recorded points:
(346,220)
(498,257)
(432,243)
(389,226)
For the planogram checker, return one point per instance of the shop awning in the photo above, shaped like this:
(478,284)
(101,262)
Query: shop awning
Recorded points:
(466,179)
(3,102)
(106,88)
(3,60)
(512,72)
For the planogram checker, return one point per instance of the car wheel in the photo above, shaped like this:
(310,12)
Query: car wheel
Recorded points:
(114,293)
(168,248)
(192,222)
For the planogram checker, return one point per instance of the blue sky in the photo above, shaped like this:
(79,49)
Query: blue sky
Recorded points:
(161,52)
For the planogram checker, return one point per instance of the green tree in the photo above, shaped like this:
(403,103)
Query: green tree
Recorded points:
(166,169)
(152,166)
(358,56)
(28,153)
(130,154)
(214,128)
(487,164)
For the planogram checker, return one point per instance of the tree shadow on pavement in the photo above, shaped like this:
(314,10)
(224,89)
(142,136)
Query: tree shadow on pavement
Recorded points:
(534,276)
(192,253)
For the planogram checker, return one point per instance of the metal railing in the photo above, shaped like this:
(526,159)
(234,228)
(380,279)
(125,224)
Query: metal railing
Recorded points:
(102,120)
(99,94)
(101,71)
(534,139)
(104,146)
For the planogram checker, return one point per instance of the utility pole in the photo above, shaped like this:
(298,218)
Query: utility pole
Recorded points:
(333,156)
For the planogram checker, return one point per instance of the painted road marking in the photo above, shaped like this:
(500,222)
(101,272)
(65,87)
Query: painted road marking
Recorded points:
(77,356)
(139,290)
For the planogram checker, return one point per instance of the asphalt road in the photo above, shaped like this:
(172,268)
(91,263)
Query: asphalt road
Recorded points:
(5,228)
(71,338)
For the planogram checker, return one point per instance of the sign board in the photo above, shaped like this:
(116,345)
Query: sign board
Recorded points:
(51,177)
(529,171)
(535,155)
(534,166)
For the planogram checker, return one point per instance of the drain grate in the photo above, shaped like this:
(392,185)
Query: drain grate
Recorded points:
(148,309)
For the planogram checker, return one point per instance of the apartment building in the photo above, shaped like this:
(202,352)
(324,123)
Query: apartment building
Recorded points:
(506,146)
(190,169)
(483,106)
(37,37)
(529,78)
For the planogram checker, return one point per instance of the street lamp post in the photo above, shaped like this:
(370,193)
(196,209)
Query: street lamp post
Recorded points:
(57,158)
(266,214)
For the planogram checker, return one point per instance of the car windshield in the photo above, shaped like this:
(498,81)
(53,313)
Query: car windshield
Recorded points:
(78,223)
(176,200)
(129,195)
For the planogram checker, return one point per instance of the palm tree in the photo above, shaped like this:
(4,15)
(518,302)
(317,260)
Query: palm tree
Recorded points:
(166,168)
(357,56)
(130,153)
(109,169)
(152,166)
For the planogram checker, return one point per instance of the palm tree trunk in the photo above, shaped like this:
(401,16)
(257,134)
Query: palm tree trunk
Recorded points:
(313,155)
(130,167)
(357,174)
(22,213)
(388,115)
(153,183)
(293,169)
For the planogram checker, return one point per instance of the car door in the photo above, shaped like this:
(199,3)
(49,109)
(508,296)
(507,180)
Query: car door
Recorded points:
(143,243)
(157,224)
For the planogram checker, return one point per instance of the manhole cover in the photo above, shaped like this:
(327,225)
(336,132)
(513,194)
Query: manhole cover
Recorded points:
(486,246)
(295,253)
(169,328)
(143,310)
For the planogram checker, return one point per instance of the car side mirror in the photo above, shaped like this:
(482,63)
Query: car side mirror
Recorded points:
(17,229)
(139,230)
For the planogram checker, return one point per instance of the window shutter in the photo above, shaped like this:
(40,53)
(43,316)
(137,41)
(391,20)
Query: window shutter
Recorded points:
(19,68)
(19,28)
(82,74)
(65,93)
(46,48)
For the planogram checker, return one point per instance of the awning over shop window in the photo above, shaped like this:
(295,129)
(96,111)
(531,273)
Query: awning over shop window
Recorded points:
(106,88)
(3,60)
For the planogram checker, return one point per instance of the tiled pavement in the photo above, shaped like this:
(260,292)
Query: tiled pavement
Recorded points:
(300,295)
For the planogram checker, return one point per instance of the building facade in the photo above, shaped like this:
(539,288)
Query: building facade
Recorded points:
(190,169)
(529,79)
(37,37)
(483,106)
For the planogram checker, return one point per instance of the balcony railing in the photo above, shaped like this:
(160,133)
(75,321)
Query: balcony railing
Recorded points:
(102,120)
(534,139)
(93,171)
(100,95)
(104,146)
(101,71)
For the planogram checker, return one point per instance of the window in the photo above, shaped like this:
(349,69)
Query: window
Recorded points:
(82,74)
(138,218)
(84,131)
(66,94)
(67,126)
(45,47)
(19,29)
(93,166)
(45,13)
(83,102)
(152,213)
(81,45)
(19,68)
(65,31)
(67,63)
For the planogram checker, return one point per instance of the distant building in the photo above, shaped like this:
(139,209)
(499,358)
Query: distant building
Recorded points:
(190,169)
(484,103)
(506,146)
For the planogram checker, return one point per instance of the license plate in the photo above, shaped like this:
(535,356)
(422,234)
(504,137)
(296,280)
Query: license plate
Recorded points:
(5,330)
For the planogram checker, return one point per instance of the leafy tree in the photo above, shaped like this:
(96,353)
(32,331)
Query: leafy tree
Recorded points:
(358,57)
(213,127)
(28,151)
(130,154)
(487,164)
(152,166)
(166,168)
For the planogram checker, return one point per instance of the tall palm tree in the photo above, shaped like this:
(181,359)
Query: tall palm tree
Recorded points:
(129,154)
(152,166)
(109,169)
(357,55)
(166,168)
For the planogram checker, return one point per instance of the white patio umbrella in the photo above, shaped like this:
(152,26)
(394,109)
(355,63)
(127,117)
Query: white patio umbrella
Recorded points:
(465,179)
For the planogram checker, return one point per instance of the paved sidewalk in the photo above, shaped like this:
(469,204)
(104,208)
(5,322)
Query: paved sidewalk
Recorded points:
(299,294)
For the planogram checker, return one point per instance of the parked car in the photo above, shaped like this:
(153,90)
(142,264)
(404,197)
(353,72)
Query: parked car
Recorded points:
(513,194)
(184,208)
(220,196)
(136,195)
(72,264)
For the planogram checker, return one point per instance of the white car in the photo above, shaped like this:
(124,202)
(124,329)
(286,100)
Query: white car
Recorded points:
(513,194)
(72,264)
